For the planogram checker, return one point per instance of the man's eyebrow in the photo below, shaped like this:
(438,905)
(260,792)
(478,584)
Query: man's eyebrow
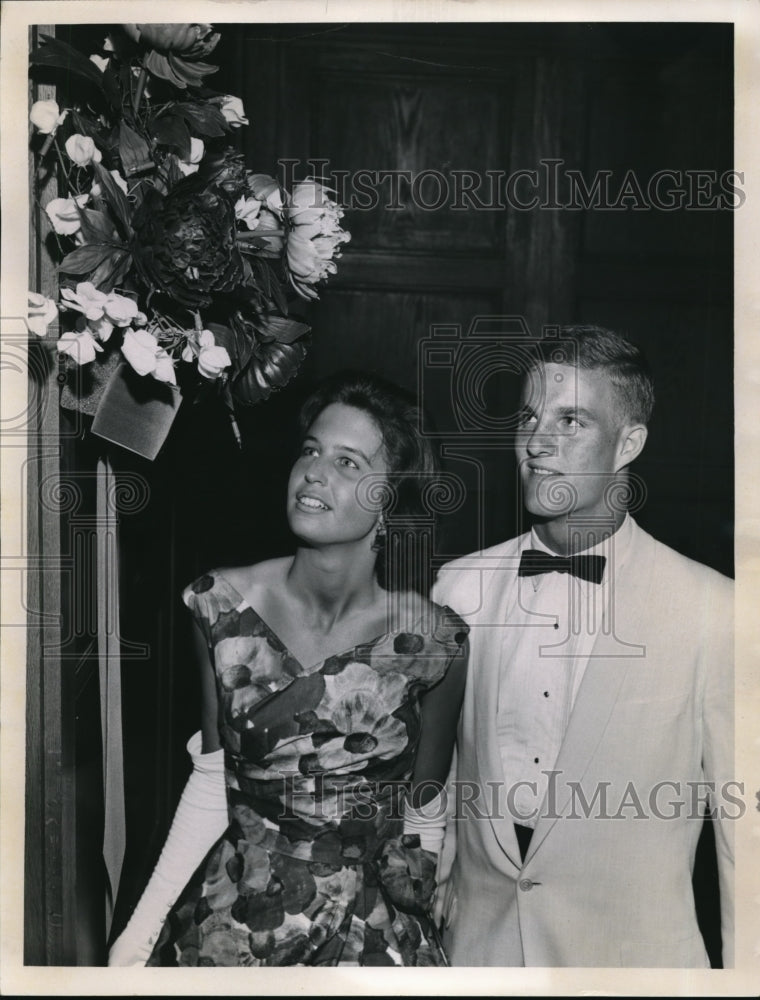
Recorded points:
(576,411)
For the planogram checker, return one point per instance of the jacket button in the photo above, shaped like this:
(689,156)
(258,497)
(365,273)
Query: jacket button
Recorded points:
(526,884)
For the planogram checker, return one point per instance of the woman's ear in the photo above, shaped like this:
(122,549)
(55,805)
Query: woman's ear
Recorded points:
(631,443)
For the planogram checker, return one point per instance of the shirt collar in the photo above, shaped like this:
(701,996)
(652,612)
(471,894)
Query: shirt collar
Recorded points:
(620,540)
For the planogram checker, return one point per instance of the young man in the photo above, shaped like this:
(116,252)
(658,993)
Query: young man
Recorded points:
(598,715)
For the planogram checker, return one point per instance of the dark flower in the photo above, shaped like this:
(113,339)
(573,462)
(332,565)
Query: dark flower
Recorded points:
(176,51)
(185,244)
(225,169)
(278,345)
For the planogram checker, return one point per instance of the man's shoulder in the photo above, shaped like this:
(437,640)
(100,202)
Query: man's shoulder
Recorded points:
(483,558)
(673,568)
(468,575)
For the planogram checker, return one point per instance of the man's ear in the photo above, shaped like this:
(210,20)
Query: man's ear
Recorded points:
(632,440)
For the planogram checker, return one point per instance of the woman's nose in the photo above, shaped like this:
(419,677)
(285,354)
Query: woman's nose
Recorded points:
(315,472)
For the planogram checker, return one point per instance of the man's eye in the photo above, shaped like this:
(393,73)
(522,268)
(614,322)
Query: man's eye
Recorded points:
(308,449)
(347,463)
(527,418)
(570,421)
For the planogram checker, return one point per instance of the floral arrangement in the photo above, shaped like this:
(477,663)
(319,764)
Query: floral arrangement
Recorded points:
(171,250)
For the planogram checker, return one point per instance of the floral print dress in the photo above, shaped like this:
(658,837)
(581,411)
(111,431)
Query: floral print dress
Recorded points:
(316,762)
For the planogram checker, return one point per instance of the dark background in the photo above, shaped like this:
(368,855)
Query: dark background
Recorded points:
(616,97)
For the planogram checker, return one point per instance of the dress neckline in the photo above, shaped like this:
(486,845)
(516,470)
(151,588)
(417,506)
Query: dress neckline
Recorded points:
(315,668)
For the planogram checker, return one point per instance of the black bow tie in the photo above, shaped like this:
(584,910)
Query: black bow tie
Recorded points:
(533,562)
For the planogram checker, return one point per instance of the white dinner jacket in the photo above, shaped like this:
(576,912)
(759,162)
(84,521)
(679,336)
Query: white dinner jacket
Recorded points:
(651,719)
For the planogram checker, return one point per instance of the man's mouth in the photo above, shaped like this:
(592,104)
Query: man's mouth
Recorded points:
(541,470)
(310,503)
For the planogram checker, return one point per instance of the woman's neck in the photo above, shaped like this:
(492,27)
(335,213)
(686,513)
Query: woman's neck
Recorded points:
(332,583)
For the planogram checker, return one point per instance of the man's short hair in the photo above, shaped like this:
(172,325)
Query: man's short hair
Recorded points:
(622,361)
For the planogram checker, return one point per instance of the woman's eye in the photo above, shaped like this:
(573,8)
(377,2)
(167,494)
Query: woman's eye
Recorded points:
(308,449)
(347,463)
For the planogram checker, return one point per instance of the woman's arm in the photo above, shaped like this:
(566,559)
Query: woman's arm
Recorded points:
(209,700)
(199,821)
(439,709)
(408,866)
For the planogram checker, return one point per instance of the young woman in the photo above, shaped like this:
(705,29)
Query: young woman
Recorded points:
(330,706)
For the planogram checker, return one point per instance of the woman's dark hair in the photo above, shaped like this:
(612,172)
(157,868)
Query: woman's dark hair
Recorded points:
(413,468)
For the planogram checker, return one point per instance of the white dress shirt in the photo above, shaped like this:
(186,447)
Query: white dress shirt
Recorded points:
(554,619)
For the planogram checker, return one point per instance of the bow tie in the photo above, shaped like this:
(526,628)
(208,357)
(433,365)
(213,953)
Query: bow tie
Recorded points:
(533,562)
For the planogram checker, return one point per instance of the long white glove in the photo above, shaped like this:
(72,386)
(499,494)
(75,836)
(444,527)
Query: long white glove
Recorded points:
(200,819)
(429,821)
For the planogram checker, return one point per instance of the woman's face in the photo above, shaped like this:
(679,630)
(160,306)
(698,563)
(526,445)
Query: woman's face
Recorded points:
(342,447)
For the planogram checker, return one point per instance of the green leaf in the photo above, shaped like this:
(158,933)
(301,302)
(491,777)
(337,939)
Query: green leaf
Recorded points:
(279,297)
(96,227)
(111,271)
(282,329)
(111,87)
(134,151)
(61,55)
(115,199)
(204,119)
(87,258)
(85,126)
(170,130)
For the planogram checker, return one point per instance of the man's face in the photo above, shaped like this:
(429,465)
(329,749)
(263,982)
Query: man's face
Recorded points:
(570,442)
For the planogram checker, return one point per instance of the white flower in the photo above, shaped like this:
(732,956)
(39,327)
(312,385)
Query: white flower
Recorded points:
(96,190)
(41,312)
(85,299)
(100,328)
(82,150)
(82,347)
(164,370)
(63,214)
(120,182)
(233,110)
(140,319)
(247,211)
(142,351)
(46,116)
(266,189)
(120,309)
(315,238)
(191,164)
(212,359)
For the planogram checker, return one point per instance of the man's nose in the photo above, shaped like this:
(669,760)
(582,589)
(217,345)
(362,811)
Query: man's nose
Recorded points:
(537,441)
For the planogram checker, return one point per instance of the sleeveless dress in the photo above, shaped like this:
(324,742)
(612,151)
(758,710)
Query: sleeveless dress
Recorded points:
(316,762)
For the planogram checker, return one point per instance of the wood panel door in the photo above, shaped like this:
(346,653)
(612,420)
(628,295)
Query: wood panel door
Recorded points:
(417,129)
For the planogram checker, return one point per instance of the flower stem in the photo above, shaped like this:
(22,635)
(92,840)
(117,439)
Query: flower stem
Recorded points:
(139,90)
(229,403)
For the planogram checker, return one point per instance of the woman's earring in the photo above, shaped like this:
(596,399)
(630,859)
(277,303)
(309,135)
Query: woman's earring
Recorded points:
(380,533)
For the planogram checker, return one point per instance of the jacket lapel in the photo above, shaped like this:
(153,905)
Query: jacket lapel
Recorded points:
(601,683)
(486,695)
